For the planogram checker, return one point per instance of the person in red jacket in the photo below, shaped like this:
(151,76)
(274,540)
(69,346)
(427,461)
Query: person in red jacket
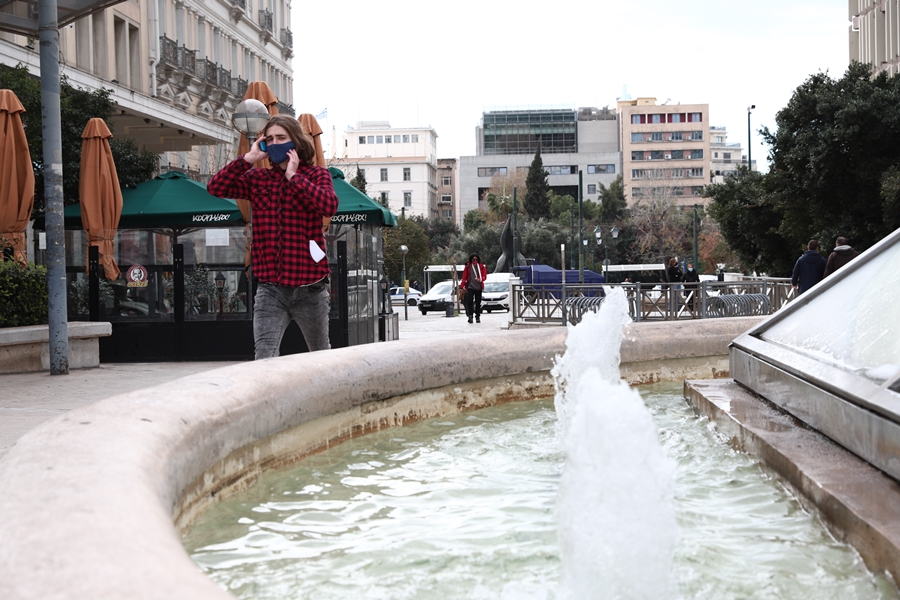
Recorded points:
(289,201)
(473,282)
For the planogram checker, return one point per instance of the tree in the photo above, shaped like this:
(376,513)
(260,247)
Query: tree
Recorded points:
(541,241)
(474,219)
(410,234)
(359,180)
(537,189)
(750,220)
(440,231)
(660,230)
(612,201)
(835,142)
(77,107)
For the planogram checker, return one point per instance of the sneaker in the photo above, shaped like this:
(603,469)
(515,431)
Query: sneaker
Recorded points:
(470,319)
(478,319)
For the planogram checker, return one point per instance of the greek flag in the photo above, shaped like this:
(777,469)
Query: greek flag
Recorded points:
(323,114)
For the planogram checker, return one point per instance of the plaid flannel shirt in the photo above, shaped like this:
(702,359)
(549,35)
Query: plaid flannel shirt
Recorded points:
(286,216)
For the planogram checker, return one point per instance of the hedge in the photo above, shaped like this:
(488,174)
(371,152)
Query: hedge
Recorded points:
(23,294)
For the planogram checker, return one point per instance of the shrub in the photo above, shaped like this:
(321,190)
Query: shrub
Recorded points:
(23,294)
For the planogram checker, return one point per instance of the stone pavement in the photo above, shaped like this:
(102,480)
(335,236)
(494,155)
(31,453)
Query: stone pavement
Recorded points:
(29,399)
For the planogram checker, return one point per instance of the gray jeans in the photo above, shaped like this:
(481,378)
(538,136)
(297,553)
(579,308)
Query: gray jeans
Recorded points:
(276,305)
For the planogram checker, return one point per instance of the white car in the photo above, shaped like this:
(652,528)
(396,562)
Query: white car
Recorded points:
(437,298)
(412,298)
(496,293)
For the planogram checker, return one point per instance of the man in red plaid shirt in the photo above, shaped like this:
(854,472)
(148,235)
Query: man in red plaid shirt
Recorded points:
(289,201)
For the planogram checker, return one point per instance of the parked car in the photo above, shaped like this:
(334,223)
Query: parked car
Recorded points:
(496,292)
(437,298)
(412,298)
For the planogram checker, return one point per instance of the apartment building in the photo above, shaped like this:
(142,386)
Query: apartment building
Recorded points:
(400,165)
(570,139)
(875,34)
(726,158)
(665,149)
(448,188)
(176,69)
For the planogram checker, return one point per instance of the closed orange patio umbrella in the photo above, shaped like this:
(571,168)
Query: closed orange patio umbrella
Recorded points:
(101,196)
(16,177)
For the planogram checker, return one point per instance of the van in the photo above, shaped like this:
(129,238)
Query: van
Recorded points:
(496,292)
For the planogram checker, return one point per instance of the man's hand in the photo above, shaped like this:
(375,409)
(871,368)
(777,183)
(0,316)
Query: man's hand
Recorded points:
(293,164)
(255,154)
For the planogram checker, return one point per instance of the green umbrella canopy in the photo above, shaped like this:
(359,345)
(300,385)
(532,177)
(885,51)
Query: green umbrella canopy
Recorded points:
(356,207)
(169,201)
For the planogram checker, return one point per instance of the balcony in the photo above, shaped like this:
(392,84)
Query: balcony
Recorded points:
(285,109)
(238,87)
(287,38)
(237,9)
(266,25)
(223,79)
(208,72)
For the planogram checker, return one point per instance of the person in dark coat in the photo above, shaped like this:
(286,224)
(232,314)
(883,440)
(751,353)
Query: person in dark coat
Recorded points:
(692,286)
(674,275)
(840,256)
(809,268)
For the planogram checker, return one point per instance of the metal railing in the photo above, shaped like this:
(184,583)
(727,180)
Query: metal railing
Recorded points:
(556,303)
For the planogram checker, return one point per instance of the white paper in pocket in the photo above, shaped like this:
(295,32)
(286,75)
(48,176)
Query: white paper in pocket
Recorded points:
(316,252)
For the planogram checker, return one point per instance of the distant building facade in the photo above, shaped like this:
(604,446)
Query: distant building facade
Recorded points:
(176,69)
(665,149)
(571,140)
(875,34)
(448,188)
(400,165)
(726,158)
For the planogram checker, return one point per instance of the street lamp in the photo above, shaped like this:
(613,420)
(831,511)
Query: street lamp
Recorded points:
(403,251)
(250,117)
(385,298)
(749,143)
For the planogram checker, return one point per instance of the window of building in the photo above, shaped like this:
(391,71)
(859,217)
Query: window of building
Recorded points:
(594,169)
(637,192)
(384,198)
(362,139)
(677,173)
(656,155)
(379,139)
(696,135)
(726,155)
(384,175)
(720,139)
(447,214)
(676,136)
(388,139)
(446,198)
(592,188)
(370,139)
(407,176)
(715,155)
(694,117)
(405,139)
(407,199)
(677,154)
(676,118)
(697,190)
(656,136)
(637,156)
(656,119)
(698,172)
(678,191)
(637,137)
(637,119)
(491,171)
(415,138)
(637,173)
(696,153)
(445,181)
(562,170)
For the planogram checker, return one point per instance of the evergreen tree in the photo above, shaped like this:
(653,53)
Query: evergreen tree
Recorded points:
(612,201)
(359,180)
(537,189)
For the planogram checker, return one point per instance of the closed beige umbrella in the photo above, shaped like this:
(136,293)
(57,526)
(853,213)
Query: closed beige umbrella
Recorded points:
(256,90)
(101,196)
(16,177)
(310,127)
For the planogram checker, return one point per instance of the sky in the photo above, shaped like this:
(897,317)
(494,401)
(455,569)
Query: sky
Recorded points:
(444,65)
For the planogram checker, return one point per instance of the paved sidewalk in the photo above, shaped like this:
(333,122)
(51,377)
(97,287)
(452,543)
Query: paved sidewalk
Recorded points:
(29,399)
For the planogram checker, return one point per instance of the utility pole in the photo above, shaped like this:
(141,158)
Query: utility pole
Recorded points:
(580,231)
(696,266)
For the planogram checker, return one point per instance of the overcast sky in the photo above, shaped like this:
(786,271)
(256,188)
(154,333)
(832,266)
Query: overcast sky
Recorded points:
(442,65)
